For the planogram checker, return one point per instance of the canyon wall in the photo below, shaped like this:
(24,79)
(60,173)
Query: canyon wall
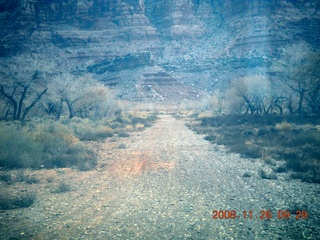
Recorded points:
(155,50)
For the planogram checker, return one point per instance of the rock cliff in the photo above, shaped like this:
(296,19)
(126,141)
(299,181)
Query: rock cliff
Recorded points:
(150,49)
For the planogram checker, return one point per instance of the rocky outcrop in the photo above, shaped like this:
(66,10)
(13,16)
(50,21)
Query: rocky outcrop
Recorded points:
(161,86)
(197,41)
(119,63)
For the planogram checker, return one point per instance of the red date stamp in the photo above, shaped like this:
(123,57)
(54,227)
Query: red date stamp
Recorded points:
(264,214)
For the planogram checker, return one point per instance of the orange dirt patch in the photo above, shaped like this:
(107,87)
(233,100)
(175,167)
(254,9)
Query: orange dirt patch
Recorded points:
(135,163)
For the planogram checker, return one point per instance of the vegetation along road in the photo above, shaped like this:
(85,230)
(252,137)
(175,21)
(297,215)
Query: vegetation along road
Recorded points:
(166,183)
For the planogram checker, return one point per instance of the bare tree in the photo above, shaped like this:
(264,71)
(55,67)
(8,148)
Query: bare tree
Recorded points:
(23,84)
(313,70)
(298,68)
(251,94)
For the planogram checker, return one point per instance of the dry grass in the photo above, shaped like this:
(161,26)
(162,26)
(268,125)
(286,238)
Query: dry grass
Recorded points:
(205,114)
(295,140)
(284,126)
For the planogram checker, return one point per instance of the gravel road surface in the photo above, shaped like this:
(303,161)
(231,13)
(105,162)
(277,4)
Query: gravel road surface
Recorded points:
(165,183)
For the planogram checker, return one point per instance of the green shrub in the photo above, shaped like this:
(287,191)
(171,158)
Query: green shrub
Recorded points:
(49,144)
(62,149)
(281,169)
(6,177)
(91,131)
(247,175)
(123,134)
(22,177)
(122,146)
(211,137)
(62,187)
(18,148)
(123,119)
(146,120)
(310,176)
(264,175)
(25,200)
(17,176)
(77,154)
(21,200)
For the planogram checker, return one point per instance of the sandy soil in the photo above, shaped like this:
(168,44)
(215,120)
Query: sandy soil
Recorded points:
(162,183)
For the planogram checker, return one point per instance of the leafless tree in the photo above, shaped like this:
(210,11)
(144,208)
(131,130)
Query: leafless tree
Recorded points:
(313,70)
(23,83)
(251,94)
(298,67)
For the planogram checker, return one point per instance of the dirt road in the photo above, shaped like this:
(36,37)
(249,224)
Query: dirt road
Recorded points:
(165,183)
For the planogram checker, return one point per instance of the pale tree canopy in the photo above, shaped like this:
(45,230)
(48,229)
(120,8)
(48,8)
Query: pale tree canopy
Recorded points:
(82,95)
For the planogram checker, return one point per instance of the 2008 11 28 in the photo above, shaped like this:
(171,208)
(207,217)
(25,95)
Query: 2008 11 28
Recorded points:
(264,214)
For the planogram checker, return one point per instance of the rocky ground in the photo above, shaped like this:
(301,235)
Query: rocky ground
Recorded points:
(163,183)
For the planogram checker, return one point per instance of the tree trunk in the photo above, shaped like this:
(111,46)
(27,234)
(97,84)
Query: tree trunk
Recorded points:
(290,105)
(60,109)
(20,106)
(301,100)
(27,109)
(12,100)
(70,109)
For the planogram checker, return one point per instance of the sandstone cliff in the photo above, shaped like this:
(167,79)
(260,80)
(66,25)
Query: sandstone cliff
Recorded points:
(143,46)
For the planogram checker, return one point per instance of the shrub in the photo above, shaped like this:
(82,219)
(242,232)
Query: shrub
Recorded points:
(205,114)
(122,146)
(75,155)
(62,187)
(264,175)
(146,120)
(49,144)
(6,177)
(310,176)
(93,134)
(22,177)
(247,151)
(87,130)
(247,175)
(262,132)
(294,139)
(139,126)
(284,126)
(25,200)
(123,119)
(18,148)
(21,200)
(85,166)
(129,128)
(123,134)
(211,137)
(281,169)
(5,203)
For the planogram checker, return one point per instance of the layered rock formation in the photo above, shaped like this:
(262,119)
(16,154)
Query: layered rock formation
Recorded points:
(154,48)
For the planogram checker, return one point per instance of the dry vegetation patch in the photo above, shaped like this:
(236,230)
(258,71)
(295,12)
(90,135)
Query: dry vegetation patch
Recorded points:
(294,139)
(42,158)
(47,144)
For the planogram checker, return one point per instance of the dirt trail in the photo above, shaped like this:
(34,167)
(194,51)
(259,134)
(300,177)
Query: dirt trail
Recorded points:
(164,183)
